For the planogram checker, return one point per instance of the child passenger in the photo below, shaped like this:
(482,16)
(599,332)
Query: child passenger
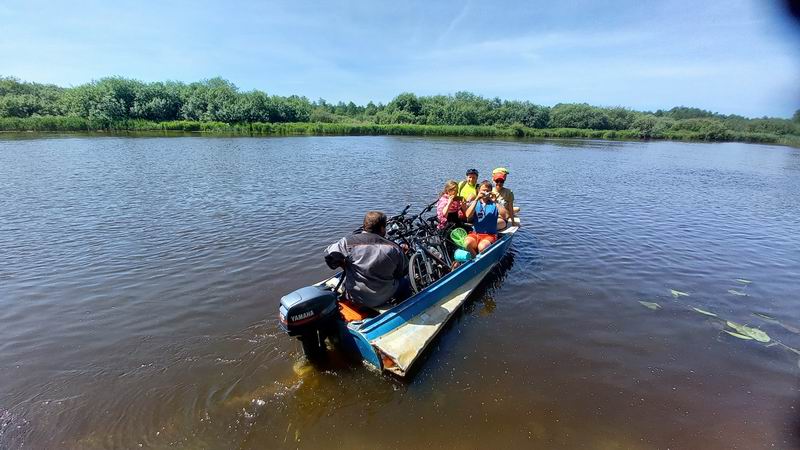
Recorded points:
(504,195)
(451,207)
(486,213)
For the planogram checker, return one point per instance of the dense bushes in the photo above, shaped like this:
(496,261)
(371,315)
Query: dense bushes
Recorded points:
(216,105)
(578,116)
(116,99)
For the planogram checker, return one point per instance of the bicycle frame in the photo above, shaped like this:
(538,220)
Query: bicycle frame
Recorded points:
(427,244)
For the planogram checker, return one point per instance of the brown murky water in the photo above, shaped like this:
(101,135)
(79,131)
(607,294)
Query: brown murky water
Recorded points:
(140,277)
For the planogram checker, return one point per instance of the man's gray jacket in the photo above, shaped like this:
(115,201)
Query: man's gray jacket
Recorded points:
(375,266)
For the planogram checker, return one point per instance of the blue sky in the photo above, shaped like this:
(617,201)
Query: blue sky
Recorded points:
(735,56)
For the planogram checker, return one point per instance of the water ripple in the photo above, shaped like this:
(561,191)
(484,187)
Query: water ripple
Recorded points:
(140,278)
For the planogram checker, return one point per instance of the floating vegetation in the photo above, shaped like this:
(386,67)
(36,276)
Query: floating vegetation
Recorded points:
(677,294)
(753,333)
(650,305)
(737,335)
(734,329)
(771,319)
(743,281)
(702,311)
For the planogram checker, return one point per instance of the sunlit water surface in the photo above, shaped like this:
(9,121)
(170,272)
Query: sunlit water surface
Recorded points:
(140,279)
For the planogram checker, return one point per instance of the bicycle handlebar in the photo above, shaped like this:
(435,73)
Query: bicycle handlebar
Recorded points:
(402,226)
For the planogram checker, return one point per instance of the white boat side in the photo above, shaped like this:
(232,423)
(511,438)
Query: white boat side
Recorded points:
(404,344)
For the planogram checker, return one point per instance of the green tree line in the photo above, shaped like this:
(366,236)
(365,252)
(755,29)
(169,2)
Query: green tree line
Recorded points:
(121,103)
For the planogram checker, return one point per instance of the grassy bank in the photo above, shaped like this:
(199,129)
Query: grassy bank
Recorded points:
(78,124)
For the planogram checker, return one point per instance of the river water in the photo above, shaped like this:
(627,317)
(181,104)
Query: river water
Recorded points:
(140,279)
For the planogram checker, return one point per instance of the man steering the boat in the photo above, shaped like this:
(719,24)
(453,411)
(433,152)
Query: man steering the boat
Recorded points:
(374,266)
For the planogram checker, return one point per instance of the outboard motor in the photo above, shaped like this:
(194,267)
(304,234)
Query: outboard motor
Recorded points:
(310,314)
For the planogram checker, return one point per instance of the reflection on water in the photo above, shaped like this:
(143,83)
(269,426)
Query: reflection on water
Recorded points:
(140,280)
(483,293)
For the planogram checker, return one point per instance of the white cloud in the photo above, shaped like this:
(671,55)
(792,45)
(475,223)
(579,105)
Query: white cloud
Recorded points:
(533,45)
(454,23)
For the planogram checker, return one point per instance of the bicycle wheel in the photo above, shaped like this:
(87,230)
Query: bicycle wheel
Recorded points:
(417,273)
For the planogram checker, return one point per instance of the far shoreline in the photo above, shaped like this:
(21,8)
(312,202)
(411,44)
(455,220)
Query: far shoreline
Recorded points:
(70,125)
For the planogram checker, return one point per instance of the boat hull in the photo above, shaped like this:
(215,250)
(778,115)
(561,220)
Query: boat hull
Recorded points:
(395,340)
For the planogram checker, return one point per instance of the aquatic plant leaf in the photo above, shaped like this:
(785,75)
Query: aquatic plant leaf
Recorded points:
(651,305)
(758,335)
(771,319)
(765,317)
(753,333)
(735,292)
(677,294)
(737,335)
(737,326)
(707,313)
(743,281)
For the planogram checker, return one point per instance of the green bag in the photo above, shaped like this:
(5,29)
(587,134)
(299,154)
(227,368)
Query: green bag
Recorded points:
(458,235)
